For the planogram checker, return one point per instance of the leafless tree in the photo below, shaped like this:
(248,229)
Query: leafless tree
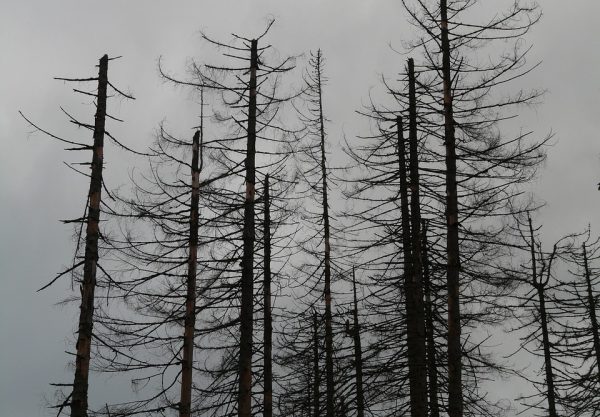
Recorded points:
(77,400)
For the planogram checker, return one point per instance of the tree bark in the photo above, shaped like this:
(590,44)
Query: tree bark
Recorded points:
(360,399)
(539,286)
(455,397)
(268,326)
(434,408)
(404,208)
(185,405)
(316,367)
(246,313)
(330,402)
(547,354)
(407,254)
(416,320)
(79,397)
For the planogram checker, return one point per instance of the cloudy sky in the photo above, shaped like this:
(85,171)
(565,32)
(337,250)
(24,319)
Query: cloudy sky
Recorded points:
(40,40)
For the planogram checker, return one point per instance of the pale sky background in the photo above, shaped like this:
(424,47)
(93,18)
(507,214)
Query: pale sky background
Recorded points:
(40,40)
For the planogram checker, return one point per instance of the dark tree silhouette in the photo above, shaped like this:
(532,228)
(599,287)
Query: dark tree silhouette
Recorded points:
(316,183)
(77,400)
(578,334)
(539,317)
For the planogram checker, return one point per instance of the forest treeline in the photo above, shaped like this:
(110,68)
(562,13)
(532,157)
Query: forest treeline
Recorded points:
(253,268)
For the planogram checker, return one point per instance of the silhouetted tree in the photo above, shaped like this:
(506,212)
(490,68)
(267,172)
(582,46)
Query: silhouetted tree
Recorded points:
(315,174)
(539,316)
(78,398)
(481,165)
(578,333)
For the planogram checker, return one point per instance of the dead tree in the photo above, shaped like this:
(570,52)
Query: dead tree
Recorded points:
(247,109)
(267,318)
(539,316)
(455,394)
(327,242)
(187,362)
(465,118)
(247,304)
(415,316)
(434,408)
(539,282)
(315,173)
(578,333)
(161,279)
(412,268)
(354,332)
(78,398)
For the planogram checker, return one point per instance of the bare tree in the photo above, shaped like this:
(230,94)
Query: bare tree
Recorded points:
(475,152)
(540,317)
(78,398)
(578,334)
(315,173)
(251,111)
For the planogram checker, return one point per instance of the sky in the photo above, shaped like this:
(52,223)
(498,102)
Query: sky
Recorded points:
(40,40)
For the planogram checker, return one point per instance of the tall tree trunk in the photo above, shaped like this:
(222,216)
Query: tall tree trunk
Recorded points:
(330,404)
(416,321)
(592,309)
(360,399)
(246,313)
(407,255)
(455,397)
(404,210)
(268,326)
(316,367)
(79,397)
(185,405)
(434,408)
(539,286)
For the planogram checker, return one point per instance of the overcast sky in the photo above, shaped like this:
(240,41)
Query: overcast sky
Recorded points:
(43,39)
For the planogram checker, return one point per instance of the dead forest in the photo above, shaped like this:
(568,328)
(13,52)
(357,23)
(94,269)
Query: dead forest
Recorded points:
(262,266)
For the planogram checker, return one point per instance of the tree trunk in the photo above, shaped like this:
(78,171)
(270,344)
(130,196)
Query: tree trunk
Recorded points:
(246,313)
(539,286)
(330,404)
(268,326)
(416,320)
(547,355)
(316,367)
(434,408)
(407,254)
(404,210)
(185,405)
(79,397)
(455,398)
(360,399)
